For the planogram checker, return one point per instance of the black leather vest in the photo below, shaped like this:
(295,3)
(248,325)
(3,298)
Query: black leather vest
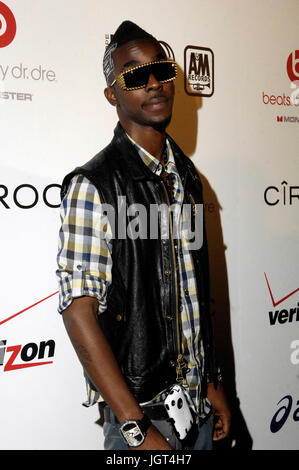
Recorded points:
(141,322)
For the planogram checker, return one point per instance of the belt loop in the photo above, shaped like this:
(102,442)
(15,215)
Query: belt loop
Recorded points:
(113,418)
(109,416)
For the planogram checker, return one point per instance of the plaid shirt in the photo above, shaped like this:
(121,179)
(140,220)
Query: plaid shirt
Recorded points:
(85,263)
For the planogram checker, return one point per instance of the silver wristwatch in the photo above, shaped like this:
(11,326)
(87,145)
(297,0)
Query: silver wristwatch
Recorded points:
(134,431)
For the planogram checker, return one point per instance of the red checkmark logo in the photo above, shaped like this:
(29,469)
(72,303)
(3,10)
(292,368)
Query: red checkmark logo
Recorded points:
(27,308)
(275,303)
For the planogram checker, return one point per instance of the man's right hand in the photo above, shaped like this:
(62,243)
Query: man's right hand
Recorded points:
(98,360)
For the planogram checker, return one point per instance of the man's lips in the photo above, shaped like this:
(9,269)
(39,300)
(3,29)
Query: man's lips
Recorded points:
(156,102)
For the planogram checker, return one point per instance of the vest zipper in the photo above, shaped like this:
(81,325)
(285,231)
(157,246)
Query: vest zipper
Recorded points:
(181,363)
(193,204)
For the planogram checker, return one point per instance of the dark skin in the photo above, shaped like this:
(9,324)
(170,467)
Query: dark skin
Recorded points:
(144,115)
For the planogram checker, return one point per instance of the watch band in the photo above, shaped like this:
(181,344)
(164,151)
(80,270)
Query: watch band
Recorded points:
(134,431)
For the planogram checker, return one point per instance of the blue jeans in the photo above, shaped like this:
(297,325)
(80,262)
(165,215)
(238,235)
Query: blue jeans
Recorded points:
(201,439)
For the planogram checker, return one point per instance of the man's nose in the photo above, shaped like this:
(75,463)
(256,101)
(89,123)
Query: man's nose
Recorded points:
(153,83)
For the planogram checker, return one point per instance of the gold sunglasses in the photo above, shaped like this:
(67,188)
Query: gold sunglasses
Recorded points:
(138,76)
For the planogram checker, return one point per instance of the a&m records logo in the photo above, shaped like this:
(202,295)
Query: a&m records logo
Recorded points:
(199,71)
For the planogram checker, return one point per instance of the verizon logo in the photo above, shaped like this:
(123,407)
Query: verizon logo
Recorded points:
(284,315)
(29,355)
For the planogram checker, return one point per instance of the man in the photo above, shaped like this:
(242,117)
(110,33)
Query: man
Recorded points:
(137,308)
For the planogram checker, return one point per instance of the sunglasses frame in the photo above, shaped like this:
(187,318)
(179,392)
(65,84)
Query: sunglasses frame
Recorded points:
(120,80)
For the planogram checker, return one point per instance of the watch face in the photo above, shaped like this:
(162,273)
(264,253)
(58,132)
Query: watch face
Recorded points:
(132,433)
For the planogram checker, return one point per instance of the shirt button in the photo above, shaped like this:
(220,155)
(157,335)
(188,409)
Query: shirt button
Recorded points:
(118,317)
(166,272)
(169,317)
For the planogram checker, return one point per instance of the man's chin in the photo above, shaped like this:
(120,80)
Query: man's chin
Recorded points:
(160,125)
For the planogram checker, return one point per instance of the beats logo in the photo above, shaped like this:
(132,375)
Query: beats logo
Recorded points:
(8,25)
(293,66)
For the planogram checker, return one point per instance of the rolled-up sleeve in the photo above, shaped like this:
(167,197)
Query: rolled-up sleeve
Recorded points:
(85,246)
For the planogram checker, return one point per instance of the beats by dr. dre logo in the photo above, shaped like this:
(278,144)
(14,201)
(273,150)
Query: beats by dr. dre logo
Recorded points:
(8,26)
(293,66)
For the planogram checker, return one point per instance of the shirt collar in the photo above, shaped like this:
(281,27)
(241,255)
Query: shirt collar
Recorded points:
(152,162)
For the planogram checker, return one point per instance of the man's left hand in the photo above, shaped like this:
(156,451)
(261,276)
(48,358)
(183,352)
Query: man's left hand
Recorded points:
(221,411)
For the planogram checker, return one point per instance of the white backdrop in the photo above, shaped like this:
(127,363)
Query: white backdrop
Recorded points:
(243,140)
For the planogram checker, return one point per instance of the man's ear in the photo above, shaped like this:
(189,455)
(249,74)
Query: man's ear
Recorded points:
(110,95)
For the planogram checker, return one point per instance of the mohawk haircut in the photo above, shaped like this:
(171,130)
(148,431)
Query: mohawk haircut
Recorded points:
(126,32)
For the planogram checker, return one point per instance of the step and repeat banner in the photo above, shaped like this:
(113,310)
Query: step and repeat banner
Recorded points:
(237,116)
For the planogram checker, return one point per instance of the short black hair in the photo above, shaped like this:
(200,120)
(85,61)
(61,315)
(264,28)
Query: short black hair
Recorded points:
(126,32)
